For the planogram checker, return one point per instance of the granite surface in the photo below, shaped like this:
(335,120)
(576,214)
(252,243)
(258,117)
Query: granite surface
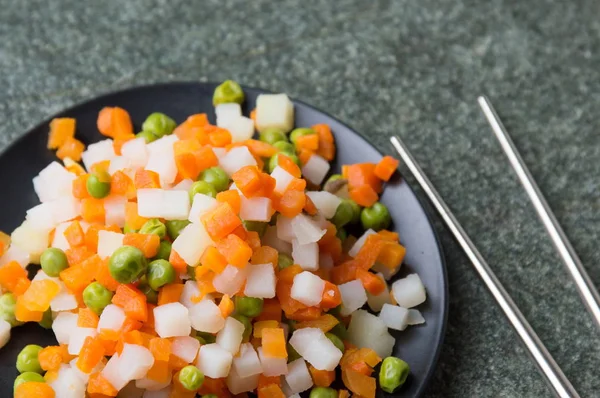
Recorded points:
(412,68)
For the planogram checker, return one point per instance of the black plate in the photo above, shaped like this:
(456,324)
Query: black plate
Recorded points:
(419,346)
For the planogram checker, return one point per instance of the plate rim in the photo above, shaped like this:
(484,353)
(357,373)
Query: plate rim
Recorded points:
(422,203)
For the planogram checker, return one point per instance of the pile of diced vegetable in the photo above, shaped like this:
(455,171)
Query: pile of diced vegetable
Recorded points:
(193,259)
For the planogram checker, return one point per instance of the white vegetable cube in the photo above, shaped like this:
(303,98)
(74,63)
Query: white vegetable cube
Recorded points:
(261,281)
(108,242)
(162,145)
(274,110)
(353,295)
(53,182)
(256,209)
(236,158)
(214,361)
(4,332)
(272,366)
(68,384)
(315,169)
(190,290)
(415,317)
(368,331)
(206,317)
(385,272)
(394,317)
(135,151)
(114,208)
(247,363)
(241,128)
(172,320)
(65,208)
(41,217)
(98,152)
(64,300)
(409,292)
(316,348)
(200,205)
(306,256)
(282,179)
(112,318)
(135,361)
(308,288)
(162,162)
(306,230)
(160,203)
(15,253)
(60,241)
(112,373)
(118,163)
(153,387)
(360,242)
(63,325)
(78,336)
(227,113)
(184,185)
(230,280)
(185,347)
(32,241)
(298,378)
(191,243)
(376,302)
(285,231)
(237,384)
(325,202)
(270,239)
(231,335)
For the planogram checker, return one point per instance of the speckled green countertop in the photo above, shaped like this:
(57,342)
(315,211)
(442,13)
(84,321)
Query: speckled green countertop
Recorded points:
(412,68)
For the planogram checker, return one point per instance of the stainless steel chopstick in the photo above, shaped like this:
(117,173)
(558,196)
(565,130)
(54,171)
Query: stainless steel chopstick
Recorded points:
(584,284)
(556,379)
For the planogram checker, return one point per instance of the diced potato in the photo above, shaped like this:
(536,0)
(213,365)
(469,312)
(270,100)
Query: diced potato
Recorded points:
(274,111)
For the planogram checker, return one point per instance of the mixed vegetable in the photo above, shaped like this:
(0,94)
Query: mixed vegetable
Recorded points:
(193,259)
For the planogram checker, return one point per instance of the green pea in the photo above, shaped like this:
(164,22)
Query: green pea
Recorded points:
(393,374)
(336,341)
(274,161)
(27,377)
(154,227)
(96,297)
(247,325)
(46,321)
(151,295)
(98,184)
(7,309)
(228,91)
(249,306)
(164,251)
(343,214)
(292,353)
(341,234)
(127,264)
(285,147)
(340,331)
(323,392)
(207,337)
(334,177)
(128,230)
(209,396)
(217,177)
(356,209)
(257,226)
(160,273)
(191,272)
(159,124)
(202,187)
(376,217)
(201,340)
(284,260)
(148,136)
(273,135)
(300,132)
(53,260)
(191,378)
(27,360)
(174,227)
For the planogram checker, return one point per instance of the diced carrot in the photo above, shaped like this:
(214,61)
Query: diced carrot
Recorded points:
(10,274)
(51,357)
(371,282)
(326,141)
(360,174)
(343,394)
(291,203)
(191,127)
(23,314)
(321,378)
(358,383)
(253,115)
(132,217)
(34,389)
(73,167)
(259,326)
(119,142)
(271,311)
(386,168)
(364,195)
(325,322)
(271,391)
(21,286)
(299,184)
(236,251)
(253,239)
(369,253)
(87,318)
(226,306)
(130,324)
(74,234)
(204,282)
(232,197)
(186,165)
(80,187)
(304,155)
(286,163)
(205,158)
(61,129)
(92,210)
(261,149)
(160,371)
(146,179)
(265,255)
(267,185)
(240,232)
(77,255)
(114,122)
(91,353)
(288,274)
(391,255)
(273,342)
(221,221)
(176,363)
(132,301)
(147,243)
(247,180)
(100,166)
(104,120)
(306,314)
(170,293)
(310,207)
(76,278)
(98,384)
(214,386)
(213,260)
(218,137)
(177,262)
(122,185)
(331,296)
(104,277)
(309,142)
(71,148)
(389,235)
(160,348)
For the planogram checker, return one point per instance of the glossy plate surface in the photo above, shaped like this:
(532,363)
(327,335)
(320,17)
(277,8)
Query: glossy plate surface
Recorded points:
(418,346)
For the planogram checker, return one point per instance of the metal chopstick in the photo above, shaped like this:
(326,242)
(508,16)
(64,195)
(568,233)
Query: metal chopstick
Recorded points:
(584,284)
(556,379)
